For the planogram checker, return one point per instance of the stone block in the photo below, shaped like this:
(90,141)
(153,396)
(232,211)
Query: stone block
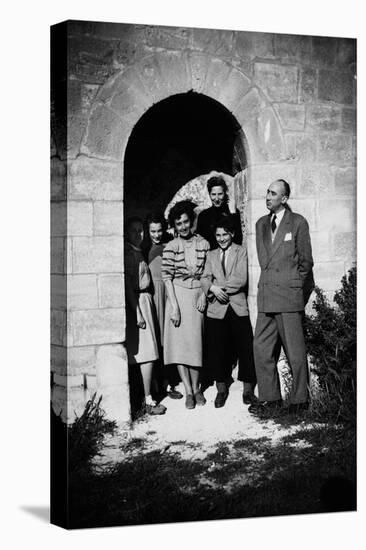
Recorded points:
(93,179)
(79,218)
(292,116)
(336,86)
(345,181)
(111,291)
(58,179)
(345,246)
(58,292)
(305,207)
(57,255)
(212,41)
(90,58)
(254,44)
(308,85)
(81,360)
(127,95)
(98,326)
(58,328)
(324,51)
(325,118)
(69,380)
(168,38)
(112,381)
(337,215)
(97,254)
(261,176)
(217,75)
(261,128)
(349,120)
(322,245)
(59,360)
(256,209)
(82,292)
(107,134)
(198,64)
(76,127)
(175,73)
(278,81)
(290,145)
(335,149)
(108,218)
(316,180)
(292,48)
(151,77)
(88,94)
(232,89)
(58,219)
(346,52)
(91,382)
(328,275)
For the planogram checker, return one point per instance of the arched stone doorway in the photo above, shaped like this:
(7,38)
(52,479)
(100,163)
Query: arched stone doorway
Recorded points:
(178,140)
(257,150)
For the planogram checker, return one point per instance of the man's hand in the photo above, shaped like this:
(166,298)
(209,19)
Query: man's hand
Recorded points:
(141,323)
(201,303)
(220,293)
(175,315)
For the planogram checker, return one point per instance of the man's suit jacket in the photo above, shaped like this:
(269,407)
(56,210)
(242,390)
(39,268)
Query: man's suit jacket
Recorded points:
(286,278)
(234,281)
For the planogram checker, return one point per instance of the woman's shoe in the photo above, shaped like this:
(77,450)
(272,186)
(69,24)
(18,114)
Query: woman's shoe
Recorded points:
(200,399)
(155,409)
(174,394)
(190,402)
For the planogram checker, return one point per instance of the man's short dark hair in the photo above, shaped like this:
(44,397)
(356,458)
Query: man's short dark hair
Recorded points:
(131,220)
(225,222)
(216,181)
(180,208)
(286,187)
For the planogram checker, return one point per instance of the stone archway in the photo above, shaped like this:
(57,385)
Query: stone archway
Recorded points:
(116,110)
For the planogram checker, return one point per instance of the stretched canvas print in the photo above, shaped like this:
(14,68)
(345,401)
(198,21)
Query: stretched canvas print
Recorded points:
(203,308)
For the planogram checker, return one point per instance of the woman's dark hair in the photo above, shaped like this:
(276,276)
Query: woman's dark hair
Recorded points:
(154,217)
(216,181)
(180,208)
(225,222)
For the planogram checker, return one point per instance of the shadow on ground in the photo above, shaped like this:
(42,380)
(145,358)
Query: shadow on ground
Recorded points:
(310,471)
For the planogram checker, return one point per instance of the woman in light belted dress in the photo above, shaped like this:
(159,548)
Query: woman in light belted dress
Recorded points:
(141,341)
(156,238)
(183,263)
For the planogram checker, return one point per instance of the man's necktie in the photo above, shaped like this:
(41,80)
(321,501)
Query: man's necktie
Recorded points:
(273,223)
(223,261)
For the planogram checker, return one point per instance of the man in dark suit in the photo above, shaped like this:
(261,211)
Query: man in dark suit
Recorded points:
(207,219)
(285,285)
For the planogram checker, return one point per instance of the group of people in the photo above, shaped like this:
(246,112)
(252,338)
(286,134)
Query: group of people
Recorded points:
(187,305)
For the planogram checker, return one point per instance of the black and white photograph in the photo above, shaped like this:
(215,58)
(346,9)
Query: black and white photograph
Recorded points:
(182,307)
(203,288)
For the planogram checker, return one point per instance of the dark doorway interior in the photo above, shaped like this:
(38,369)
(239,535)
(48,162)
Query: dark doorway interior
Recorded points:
(176,140)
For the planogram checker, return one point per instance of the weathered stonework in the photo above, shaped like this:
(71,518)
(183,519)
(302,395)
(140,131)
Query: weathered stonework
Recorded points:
(293,99)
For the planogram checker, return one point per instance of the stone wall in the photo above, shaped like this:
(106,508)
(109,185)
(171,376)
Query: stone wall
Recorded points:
(295,99)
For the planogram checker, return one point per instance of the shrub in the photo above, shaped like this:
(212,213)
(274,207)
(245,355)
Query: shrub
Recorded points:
(85,435)
(331,342)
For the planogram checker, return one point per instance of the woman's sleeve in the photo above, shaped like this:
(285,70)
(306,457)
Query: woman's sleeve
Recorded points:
(168,262)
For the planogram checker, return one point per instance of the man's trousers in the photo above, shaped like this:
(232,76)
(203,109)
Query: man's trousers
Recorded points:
(271,330)
(229,339)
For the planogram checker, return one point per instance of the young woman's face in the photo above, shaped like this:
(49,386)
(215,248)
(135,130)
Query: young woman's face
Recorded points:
(156,232)
(183,225)
(135,233)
